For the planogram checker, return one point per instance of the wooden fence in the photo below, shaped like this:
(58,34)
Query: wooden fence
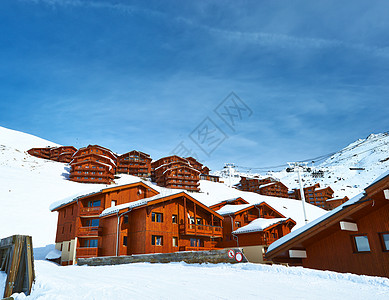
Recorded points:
(17,261)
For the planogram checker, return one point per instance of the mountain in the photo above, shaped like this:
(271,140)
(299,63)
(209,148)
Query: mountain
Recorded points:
(29,185)
(347,171)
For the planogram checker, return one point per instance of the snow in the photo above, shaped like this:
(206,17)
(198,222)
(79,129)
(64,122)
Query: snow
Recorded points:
(215,192)
(53,254)
(300,230)
(200,281)
(230,209)
(380,177)
(258,225)
(371,153)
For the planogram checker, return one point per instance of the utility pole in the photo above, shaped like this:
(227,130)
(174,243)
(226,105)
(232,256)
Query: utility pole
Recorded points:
(229,166)
(300,166)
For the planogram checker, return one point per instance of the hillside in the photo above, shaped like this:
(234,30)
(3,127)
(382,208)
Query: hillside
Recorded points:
(370,155)
(30,185)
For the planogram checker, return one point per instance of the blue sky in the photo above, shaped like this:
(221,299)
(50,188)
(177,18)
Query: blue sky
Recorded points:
(312,75)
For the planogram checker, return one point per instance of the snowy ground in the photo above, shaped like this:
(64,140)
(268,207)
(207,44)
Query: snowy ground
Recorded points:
(207,281)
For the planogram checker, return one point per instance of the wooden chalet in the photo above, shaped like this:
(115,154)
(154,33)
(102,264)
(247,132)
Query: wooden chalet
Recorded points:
(241,216)
(314,195)
(40,152)
(60,154)
(134,163)
(93,164)
(78,227)
(133,219)
(353,237)
(160,224)
(209,177)
(335,202)
(266,186)
(175,172)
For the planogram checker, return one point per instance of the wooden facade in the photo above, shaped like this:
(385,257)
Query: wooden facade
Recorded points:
(267,186)
(134,163)
(335,202)
(93,164)
(236,216)
(148,223)
(61,154)
(209,177)
(175,172)
(78,228)
(314,195)
(352,238)
(164,224)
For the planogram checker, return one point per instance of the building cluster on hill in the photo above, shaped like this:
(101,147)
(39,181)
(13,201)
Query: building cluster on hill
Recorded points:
(321,197)
(96,164)
(138,219)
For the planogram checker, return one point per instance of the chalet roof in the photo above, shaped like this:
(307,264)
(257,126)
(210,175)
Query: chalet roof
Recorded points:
(337,198)
(179,167)
(91,161)
(230,201)
(312,224)
(135,151)
(260,224)
(96,146)
(267,184)
(234,209)
(93,191)
(163,196)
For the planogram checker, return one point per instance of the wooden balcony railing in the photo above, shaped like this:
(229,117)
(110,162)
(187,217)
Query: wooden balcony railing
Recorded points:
(91,211)
(89,231)
(205,230)
(86,252)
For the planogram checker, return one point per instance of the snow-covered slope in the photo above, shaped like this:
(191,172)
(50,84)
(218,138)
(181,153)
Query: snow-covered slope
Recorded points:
(370,155)
(28,185)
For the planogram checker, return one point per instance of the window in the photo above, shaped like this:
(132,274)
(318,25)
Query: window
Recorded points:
(124,241)
(69,246)
(125,219)
(237,224)
(175,241)
(174,219)
(113,203)
(385,241)
(157,217)
(361,243)
(90,243)
(94,203)
(199,221)
(156,240)
(92,223)
(191,220)
(195,242)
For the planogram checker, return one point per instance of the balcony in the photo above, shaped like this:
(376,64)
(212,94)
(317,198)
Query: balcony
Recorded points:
(89,231)
(91,211)
(85,252)
(204,230)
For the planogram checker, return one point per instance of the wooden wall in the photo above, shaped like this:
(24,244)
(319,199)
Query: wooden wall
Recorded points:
(335,252)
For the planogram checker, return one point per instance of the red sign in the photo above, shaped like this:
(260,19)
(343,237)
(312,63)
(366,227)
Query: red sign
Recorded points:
(231,253)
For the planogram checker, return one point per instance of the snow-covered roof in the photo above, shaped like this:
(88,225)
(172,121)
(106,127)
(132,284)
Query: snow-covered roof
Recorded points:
(230,209)
(300,230)
(117,208)
(267,184)
(259,224)
(337,198)
(89,192)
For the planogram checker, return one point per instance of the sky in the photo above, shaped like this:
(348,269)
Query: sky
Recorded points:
(255,83)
